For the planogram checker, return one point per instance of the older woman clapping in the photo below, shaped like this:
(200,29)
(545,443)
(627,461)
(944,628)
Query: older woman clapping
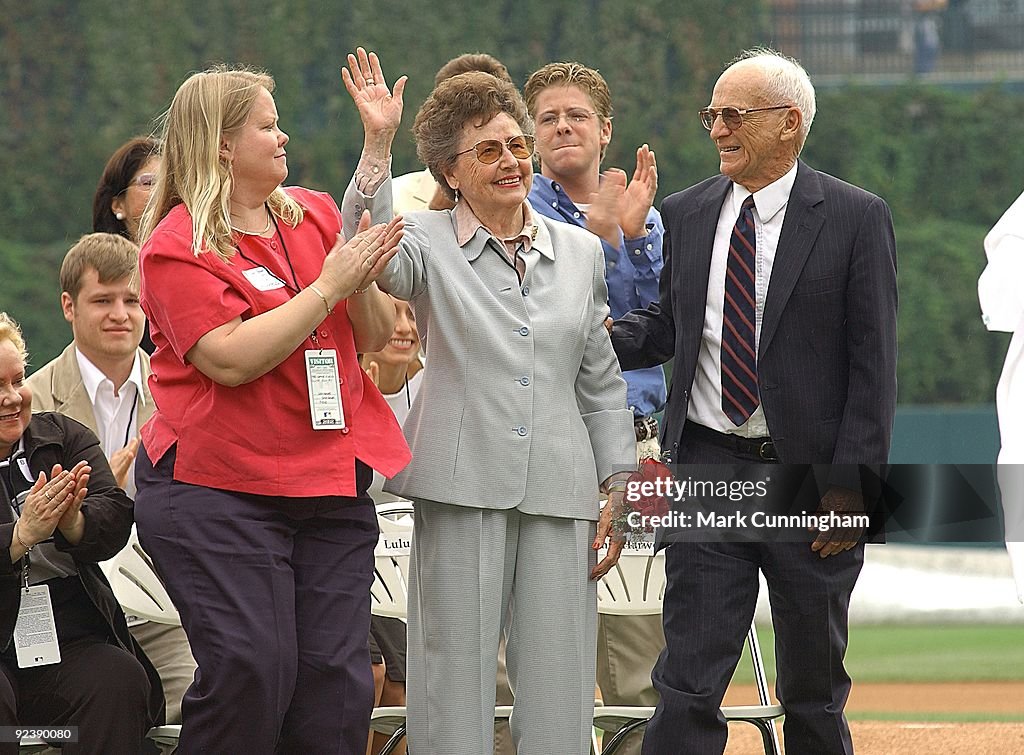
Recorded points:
(60,514)
(520,419)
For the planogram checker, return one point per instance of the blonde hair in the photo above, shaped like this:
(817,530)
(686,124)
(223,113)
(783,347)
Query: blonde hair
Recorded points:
(565,74)
(206,107)
(111,255)
(9,331)
(570,73)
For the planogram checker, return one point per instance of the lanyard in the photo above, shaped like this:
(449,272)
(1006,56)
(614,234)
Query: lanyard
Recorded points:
(294,286)
(131,419)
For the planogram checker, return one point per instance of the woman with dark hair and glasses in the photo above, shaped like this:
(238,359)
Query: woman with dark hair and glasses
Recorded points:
(124,187)
(520,422)
(122,194)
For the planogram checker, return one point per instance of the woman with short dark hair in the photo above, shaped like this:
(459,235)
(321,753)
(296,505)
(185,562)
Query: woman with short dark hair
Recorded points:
(520,422)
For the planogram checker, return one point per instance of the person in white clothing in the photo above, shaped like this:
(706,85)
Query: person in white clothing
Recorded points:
(1001,292)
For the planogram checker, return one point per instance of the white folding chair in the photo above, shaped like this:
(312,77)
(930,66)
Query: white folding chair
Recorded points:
(636,586)
(141,592)
(136,585)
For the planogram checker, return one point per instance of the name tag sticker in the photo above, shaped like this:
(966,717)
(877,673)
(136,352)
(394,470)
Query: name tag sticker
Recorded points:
(35,633)
(325,407)
(262,279)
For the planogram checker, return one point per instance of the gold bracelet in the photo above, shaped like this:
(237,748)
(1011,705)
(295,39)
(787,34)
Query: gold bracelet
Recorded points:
(320,293)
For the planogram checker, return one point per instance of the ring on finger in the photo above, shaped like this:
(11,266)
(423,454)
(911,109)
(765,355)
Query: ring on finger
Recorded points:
(48,496)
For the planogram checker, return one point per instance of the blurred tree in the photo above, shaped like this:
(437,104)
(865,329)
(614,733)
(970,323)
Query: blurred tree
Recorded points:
(79,78)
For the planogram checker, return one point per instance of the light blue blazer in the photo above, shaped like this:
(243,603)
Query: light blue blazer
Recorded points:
(522,403)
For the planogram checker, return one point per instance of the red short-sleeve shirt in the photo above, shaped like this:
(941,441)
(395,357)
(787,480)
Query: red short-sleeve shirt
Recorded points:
(257,437)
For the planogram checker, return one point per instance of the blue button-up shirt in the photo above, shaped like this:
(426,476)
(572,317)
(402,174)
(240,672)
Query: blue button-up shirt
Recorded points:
(631,270)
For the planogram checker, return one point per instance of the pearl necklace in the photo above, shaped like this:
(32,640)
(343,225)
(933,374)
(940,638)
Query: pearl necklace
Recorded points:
(270,219)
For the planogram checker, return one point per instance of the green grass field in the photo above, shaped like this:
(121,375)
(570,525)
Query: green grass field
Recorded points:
(921,653)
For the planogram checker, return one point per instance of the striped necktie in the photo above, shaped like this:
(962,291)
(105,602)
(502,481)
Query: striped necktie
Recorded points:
(739,347)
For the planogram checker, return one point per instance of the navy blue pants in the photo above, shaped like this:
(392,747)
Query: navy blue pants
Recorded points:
(274,595)
(710,596)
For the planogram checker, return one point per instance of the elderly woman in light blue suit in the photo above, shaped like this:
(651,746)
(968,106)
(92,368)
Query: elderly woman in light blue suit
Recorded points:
(520,422)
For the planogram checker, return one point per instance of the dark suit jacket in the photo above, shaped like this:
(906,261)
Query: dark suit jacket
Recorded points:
(827,354)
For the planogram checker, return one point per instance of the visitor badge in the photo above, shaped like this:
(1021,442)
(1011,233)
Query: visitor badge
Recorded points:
(262,279)
(324,389)
(35,633)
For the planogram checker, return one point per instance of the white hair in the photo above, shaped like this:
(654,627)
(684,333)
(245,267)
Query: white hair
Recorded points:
(786,82)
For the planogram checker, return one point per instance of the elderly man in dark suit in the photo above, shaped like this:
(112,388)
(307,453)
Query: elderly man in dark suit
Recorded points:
(778,302)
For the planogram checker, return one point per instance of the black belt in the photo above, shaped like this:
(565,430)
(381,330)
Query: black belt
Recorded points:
(645,428)
(760,448)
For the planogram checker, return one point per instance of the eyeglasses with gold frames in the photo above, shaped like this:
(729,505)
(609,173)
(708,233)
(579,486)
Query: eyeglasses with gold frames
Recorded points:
(732,117)
(489,151)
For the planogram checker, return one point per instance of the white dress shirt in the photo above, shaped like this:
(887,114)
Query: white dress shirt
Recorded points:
(1001,292)
(769,212)
(115,408)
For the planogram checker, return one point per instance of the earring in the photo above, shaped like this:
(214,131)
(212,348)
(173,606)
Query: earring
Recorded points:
(119,215)
(456,196)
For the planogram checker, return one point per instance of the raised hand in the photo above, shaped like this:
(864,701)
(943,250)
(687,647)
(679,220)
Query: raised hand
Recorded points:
(619,206)
(45,504)
(121,461)
(353,265)
(380,108)
(603,217)
(639,195)
(72,521)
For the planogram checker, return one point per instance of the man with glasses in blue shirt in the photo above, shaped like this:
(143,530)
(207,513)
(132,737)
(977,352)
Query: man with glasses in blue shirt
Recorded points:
(571,105)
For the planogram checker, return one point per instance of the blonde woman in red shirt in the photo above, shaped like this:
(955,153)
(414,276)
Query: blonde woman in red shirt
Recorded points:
(253,473)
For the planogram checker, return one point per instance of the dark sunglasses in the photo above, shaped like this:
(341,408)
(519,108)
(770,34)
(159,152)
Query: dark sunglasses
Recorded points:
(489,151)
(732,117)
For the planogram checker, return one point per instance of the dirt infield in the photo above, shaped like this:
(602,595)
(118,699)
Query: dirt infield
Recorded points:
(912,737)
(890,738)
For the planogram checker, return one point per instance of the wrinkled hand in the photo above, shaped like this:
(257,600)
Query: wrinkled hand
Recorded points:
(380,108)
(121,462)
(354,264)
(615,506)
(639,195)
(45,504)
(838,539)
